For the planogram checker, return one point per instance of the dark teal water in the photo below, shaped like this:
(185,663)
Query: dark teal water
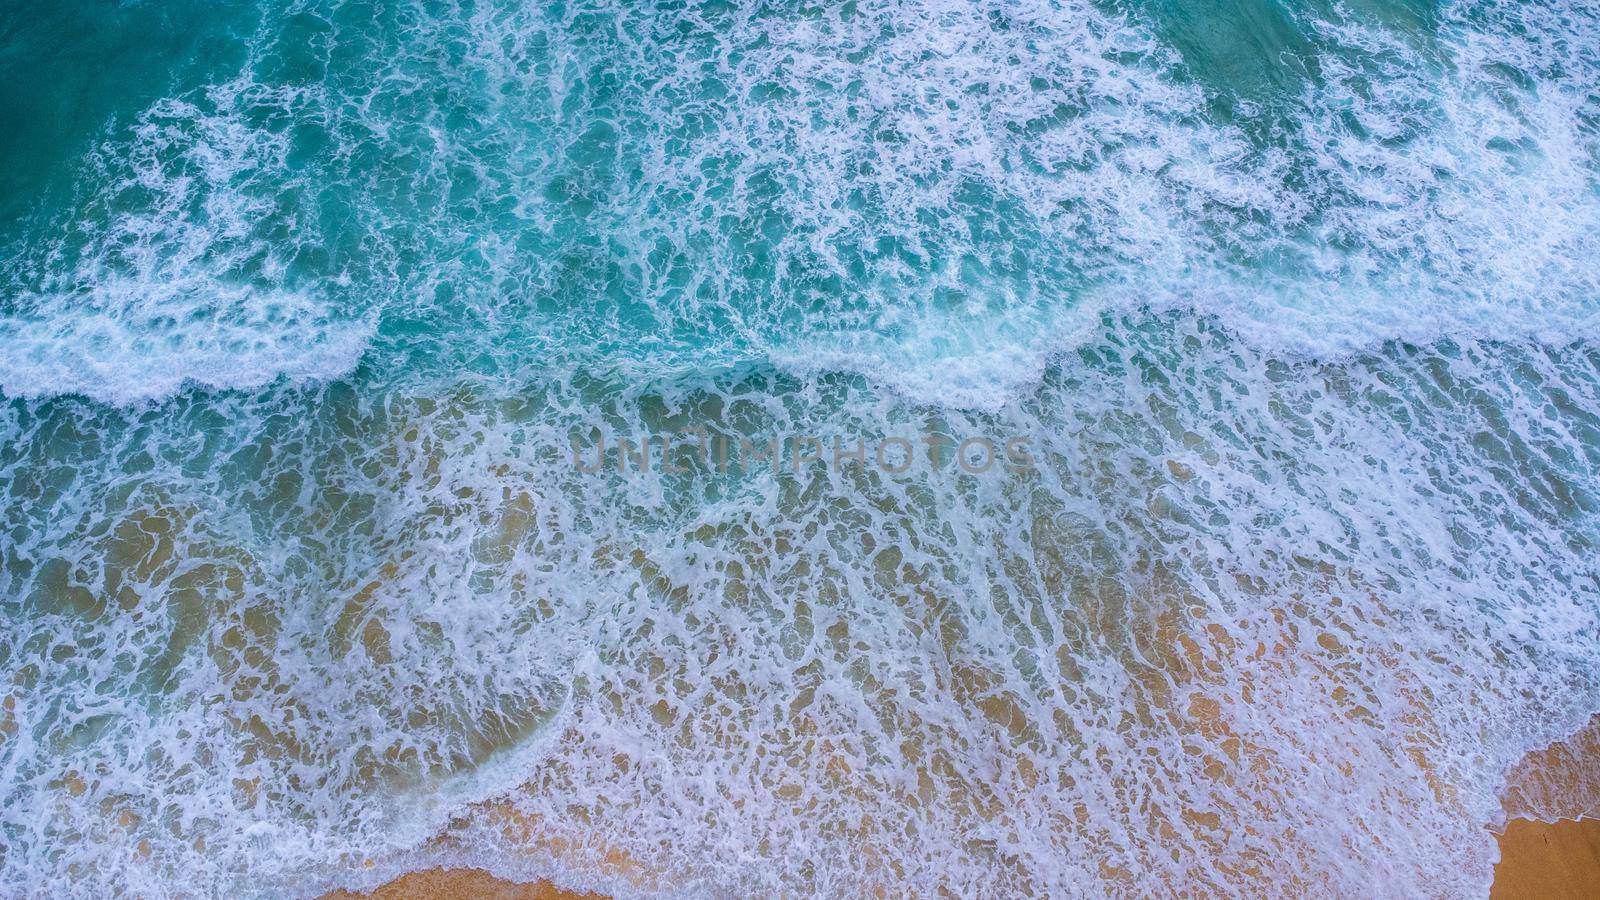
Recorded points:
(302,305)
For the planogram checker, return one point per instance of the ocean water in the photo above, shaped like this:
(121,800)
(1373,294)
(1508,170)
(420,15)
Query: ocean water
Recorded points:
(307,307)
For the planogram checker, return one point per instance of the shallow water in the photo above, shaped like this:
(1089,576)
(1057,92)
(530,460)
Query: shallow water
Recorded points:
(305,306)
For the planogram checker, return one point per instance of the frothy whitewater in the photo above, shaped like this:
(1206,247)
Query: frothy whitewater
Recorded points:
(303,305)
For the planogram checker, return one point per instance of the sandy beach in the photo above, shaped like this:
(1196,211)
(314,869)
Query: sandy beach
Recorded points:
(439,884)
(1544,861)
(1560,859)
(1538,860)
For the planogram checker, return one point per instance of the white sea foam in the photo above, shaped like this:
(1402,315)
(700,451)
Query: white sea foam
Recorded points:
(665,185)
(177,270)
(129,341)
(1285,592)
(1296,617)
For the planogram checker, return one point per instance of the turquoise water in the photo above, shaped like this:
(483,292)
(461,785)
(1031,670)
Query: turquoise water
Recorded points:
(303,305)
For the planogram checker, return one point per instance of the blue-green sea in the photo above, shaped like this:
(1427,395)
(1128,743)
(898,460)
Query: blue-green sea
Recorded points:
(1278,321)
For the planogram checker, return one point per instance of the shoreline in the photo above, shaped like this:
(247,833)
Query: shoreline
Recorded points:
(1550,846)
(1539,860)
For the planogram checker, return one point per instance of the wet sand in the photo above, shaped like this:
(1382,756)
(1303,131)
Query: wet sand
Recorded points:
(1538,860)
(460,884)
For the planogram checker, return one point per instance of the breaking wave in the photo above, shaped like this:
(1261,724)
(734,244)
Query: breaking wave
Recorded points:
(1294,306)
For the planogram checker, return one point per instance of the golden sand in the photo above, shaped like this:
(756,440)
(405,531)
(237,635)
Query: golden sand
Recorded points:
(461,884)
(1540,861)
